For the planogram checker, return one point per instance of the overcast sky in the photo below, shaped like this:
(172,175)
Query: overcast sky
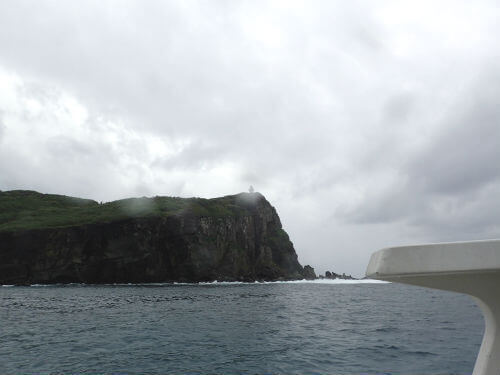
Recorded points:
(366,124)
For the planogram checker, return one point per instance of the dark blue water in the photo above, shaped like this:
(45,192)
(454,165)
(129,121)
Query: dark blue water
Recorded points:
(237,329)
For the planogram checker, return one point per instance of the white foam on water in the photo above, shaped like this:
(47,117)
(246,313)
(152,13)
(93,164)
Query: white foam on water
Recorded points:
(317,281)
(215,283)
(329,281)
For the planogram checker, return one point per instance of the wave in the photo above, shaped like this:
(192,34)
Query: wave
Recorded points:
(329,281)
(215,282)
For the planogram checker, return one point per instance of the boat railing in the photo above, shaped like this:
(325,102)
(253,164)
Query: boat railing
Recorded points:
(472,268)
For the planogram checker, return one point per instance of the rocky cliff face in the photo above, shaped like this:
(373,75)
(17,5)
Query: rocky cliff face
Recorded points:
(185,246)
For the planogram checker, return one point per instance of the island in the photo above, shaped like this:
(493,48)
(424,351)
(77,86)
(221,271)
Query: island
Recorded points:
(47,239)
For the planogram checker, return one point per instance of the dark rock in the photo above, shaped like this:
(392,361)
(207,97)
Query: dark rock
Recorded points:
(187,246)
(308,273)
(333,276)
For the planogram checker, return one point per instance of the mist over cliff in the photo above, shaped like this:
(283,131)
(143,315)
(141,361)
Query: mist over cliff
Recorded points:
(57,239)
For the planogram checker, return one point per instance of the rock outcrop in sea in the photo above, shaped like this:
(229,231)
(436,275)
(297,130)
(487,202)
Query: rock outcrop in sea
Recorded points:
(333,276)
(58,239)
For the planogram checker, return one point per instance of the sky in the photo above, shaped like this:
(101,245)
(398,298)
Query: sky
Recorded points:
(365,124)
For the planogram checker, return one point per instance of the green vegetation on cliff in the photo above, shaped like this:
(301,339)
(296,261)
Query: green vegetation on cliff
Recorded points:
(25,209)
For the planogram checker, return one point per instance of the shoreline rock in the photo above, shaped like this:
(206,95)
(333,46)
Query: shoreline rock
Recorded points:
(333,276)
(246,243)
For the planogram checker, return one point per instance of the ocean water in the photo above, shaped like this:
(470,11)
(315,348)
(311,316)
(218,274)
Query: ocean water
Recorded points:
(273,328)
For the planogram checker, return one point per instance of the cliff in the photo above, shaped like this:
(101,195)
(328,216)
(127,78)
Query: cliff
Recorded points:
(58,239)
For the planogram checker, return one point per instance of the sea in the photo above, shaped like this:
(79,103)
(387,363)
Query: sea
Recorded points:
(302,327)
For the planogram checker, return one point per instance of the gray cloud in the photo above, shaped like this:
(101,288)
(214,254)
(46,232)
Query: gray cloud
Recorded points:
(366,124)
(399,107)
(196,155)
(447,190)
(463,157)
(66,147)
(2,128)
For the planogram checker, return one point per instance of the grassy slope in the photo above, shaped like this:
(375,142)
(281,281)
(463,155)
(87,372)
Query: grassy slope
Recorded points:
(23,209)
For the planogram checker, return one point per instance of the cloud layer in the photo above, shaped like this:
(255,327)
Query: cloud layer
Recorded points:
(365,124)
